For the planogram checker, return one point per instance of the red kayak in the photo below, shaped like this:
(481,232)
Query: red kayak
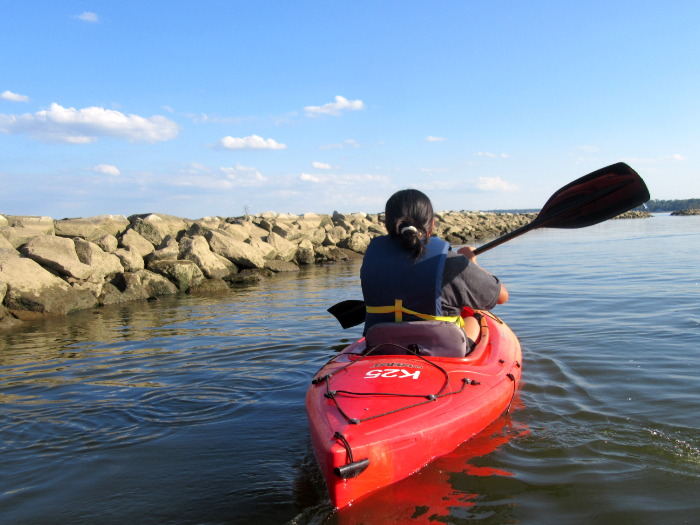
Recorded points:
(376,419)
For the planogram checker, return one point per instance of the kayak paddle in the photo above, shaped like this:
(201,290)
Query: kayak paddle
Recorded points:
(594,198)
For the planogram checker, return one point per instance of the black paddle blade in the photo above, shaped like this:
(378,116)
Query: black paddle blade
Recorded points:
(349,313)
(594,198)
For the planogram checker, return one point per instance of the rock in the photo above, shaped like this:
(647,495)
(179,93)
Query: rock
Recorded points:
(154,227)
(250,275)
(91,228)
(266,225)
(43,224)
(3,291)
(281,266)
(108,243)
(329,253)
(305,253)
(338,216)
(196,249)
(155,284)
(339,233)
(267,251)
(357,242)
(133,238)
(8,322)
(351,255)
(183,273)
(240,253)
(680,213)
(5,244)
(33,290)
(130,258)
(3,221)
(285,250)
(167,251)
(57,253)
(283,230)
(310,221)
(254,231)
(209,286)
(268,215)
(18,235)
(8,253)
(102,263)
(111,295)
(95,288)
(330,240)
(238,231)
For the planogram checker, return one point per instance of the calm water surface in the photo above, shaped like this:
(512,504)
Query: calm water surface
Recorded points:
(191,410)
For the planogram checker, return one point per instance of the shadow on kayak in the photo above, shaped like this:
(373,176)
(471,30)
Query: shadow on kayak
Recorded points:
(445,487)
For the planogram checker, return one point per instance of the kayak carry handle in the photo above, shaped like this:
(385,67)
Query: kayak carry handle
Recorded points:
(352,469)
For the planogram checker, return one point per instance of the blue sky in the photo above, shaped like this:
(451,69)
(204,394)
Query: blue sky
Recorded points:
(201,108)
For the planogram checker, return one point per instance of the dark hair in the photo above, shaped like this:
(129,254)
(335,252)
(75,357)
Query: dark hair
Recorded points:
(409,208)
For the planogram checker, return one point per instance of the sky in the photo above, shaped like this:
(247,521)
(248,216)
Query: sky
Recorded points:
(205,108)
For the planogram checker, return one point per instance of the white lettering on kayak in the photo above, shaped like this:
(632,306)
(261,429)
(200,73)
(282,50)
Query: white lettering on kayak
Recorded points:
(391,372)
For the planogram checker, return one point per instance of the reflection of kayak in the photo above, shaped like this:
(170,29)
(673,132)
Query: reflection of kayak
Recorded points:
(365,439)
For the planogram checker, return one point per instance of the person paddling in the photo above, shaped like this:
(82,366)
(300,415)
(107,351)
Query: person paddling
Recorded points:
(408,275)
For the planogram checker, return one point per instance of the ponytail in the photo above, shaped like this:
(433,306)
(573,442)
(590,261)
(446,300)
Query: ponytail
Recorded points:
(409,216)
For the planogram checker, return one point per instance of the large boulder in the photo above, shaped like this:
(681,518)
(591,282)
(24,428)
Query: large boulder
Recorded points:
(209,286)
(167,251)
(108,243)
(253,230)
(91,228)
(32,291)
(156,226)
(133,238)
(20,229)
(238,231)
(130,258)
(357,243)
(183,273)
(267,251)
(5,244)
(240,253)
(59,254)
(305,253)
(214,266)
(155,284)
(102,263)
(281,266)
(329,253)
(3,221)
(310,221)
(285,249)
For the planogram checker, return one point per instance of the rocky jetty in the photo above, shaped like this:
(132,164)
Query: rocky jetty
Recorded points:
(692,211)
(634,215)
(53,267)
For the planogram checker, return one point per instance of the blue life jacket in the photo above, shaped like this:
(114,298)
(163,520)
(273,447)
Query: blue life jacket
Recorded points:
(390,274)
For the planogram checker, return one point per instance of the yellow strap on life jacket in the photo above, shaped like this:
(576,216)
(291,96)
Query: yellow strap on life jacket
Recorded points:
(398,310)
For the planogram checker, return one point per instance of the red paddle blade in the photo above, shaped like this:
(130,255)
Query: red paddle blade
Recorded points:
(594,198)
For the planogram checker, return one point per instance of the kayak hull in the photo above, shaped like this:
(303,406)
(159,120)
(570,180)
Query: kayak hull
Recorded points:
(450,400)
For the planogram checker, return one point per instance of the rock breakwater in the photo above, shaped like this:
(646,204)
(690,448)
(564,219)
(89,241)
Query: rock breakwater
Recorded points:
(634,215)
(692,211)
(53,267)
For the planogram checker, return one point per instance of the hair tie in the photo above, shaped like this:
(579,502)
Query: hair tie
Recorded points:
(409,228)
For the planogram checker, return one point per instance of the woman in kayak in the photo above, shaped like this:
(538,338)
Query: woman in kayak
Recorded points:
(409,275)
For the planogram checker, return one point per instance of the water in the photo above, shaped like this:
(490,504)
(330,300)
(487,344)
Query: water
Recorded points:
(191,409)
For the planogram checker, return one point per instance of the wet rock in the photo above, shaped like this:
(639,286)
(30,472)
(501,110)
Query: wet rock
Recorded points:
(285,250)
(111,295)
(329,253)
(108,243)
(209,286)
(240,253)
(183,273)
(250,275)
(281,266)
(155,284)
(102,263)
(133,238)
(95,288)
(33,292)
(305,253)
(196,249)
(350,254)
(57,253)
(130,258)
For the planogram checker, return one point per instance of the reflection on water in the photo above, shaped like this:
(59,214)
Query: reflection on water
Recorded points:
(191,409)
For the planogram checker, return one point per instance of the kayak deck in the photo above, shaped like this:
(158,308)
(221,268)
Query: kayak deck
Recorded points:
(401,411)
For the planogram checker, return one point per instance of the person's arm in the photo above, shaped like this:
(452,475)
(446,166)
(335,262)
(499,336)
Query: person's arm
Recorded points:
(468,252)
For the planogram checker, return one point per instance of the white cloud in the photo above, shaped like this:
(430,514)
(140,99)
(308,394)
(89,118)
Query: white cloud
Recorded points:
(676,157)
(495,184)
(504,155)
(353,143)
(252,142)
(243,174)
(486,154)
(14,97)
(321,166)
(309,178)
(87,16)
(341,145)
(334,108)
(168,109)
(72,126)
(435,139)
(107,170)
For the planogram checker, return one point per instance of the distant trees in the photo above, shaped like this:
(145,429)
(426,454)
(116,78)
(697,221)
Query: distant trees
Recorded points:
(655,205)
